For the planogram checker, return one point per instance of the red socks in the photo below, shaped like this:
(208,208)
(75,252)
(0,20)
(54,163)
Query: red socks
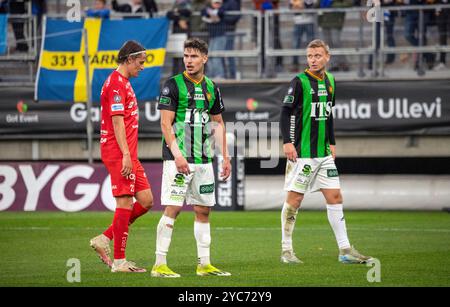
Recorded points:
(137,211)
(120,231)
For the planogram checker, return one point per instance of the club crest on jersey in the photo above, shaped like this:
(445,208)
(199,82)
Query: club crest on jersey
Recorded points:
(208,95)
(117,98)
(117,107)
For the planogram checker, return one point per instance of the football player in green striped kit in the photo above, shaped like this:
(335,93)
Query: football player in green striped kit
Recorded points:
(190,102)
(309,145)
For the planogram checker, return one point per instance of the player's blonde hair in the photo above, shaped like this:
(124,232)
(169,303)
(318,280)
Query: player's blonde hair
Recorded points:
(318,43)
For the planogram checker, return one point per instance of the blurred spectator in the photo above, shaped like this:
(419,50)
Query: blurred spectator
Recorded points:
(443,24)
(180,14)
(332,24)
(39,9)
(389,24)
(412,29)
(213,15)
(18,7)
(303,26)
(4,9)
(99,10)
(198,27)
(151,7)
(264,5)
(136,6)
(230,26)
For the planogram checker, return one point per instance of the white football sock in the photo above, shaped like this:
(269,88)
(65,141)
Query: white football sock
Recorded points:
(202,235)
(163,237)
(288,218)
(336,218)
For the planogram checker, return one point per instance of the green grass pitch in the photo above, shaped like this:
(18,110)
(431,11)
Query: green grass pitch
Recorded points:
(413,249)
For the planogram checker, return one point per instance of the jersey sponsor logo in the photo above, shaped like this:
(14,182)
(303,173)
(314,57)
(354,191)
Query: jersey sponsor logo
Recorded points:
(288,99)
(117,107)
(117,98)
(164,100)
(322,93)
(103,132)
(206,188)
(321,110)
(332,173)
(165,91)
(199,96)
(103,140)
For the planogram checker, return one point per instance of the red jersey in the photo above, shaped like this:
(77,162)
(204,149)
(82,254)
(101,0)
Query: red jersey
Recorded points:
(118,98)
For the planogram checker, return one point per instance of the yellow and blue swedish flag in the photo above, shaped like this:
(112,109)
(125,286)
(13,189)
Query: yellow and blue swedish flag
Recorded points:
(62,73)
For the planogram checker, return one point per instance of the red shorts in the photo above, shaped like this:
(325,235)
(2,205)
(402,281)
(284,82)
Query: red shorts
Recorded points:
(130,185)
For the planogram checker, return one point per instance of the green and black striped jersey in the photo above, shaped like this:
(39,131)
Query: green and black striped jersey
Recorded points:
(307,118)
(193,102)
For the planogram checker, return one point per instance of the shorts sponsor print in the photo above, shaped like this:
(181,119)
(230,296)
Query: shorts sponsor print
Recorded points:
(311,174)
(197,188)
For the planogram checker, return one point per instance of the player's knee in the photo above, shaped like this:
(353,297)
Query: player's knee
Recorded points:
(295,199)
(148,203)
(337,198)
(172,211)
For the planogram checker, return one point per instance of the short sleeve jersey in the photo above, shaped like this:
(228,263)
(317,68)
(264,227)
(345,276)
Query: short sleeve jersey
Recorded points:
(193,103)
(118,98)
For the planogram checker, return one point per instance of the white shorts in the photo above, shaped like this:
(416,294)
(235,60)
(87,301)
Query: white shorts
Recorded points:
(311,174)
(197,188)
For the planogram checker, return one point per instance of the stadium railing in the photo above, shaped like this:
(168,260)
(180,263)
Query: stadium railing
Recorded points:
(360,38)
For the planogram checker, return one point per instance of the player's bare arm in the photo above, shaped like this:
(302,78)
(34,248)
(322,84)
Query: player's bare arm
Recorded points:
(167,118)
(333,151)
(120,134)
(290,152)
(221,140)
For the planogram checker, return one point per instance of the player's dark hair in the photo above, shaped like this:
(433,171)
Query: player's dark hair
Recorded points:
(196,43)
(129,48)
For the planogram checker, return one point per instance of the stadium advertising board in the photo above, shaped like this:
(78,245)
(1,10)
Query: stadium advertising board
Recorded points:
(72,187)
(394,107)
(68,187)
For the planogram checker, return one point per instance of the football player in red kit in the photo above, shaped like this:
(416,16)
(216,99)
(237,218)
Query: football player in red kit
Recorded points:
(118,146)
